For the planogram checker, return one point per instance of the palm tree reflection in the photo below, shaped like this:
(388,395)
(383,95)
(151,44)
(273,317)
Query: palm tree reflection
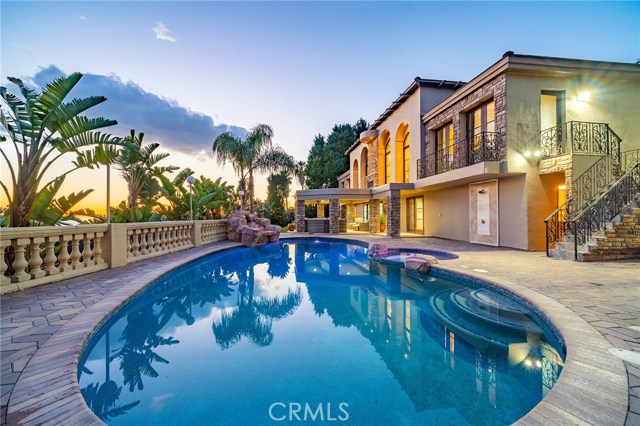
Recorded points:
(253,317)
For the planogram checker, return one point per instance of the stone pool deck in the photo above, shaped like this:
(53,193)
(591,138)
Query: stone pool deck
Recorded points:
(596,304)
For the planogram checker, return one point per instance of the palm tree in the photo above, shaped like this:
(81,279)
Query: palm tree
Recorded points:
(299,173)
(138,165)
(254,153)
(42,128)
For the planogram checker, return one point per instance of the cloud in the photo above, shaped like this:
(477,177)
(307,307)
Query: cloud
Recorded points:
(162,32)
(82,18)
(175,127)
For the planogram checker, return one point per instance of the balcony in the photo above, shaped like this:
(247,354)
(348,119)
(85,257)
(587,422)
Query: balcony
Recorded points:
(487,146)
(580,137)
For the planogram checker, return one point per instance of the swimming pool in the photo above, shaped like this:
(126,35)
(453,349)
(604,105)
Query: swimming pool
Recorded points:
(309,332)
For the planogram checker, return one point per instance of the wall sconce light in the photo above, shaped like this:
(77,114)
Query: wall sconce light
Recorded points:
(482,191)
(583,96)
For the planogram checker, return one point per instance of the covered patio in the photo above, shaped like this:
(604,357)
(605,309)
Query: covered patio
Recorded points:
(350,210)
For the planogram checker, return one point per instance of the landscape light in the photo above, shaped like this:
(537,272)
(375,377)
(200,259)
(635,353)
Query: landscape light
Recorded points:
(583,96)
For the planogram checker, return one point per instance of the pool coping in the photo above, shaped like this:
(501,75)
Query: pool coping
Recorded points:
(592,388)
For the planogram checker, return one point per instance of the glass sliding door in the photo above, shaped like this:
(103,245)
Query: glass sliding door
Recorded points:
(415,215)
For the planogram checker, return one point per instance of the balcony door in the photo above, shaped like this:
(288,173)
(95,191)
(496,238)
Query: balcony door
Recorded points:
(551,109)
(415,215)
(444,148)
(480,120)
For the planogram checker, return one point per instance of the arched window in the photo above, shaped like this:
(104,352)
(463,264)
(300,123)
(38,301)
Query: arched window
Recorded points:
(364,167)
(354,174)
(405,158)
(387,160)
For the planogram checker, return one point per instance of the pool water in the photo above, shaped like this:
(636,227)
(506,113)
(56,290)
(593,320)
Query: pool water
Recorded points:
(316,333)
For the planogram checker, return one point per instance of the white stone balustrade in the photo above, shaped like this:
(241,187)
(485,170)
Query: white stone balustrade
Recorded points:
(151,239)
(212,231)
(43,254)
(38,255)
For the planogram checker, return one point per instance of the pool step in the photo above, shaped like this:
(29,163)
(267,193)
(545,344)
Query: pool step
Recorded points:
(490,327)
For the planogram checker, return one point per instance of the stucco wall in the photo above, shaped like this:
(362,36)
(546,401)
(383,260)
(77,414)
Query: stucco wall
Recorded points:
(513,212)
(446,213)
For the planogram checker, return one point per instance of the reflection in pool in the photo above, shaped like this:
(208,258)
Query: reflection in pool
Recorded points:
(319,332)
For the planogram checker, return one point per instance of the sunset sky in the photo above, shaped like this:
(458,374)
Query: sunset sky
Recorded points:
(183,72)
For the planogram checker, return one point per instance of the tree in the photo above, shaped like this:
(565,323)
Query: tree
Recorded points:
(138,166)
(327,159)
(42,128)
(299,173)
(278,189)
(210,198)
(253,154)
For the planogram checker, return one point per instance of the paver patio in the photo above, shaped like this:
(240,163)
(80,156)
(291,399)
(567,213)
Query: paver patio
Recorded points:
(606,295)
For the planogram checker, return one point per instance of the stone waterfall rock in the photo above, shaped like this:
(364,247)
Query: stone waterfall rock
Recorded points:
(251,229)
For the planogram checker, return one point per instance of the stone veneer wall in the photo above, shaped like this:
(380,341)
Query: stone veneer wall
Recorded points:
(496,89)
(373,163)
(334,216)
(374,216)
(621,242)
(320,211)
(300,215)
(393,214)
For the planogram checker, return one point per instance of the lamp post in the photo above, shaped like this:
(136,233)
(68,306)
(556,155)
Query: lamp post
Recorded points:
(241,194)
(190,181)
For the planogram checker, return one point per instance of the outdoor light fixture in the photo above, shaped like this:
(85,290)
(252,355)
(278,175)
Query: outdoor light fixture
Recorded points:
(536,154)
(526,154)
(190,181)
(241,194)
(583,96)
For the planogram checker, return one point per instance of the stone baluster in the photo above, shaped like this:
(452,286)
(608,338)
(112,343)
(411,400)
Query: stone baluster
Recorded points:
(87,251)
(130,243)
(63,256)
(172,237)
(20,262)
(75,251)
(3,264)
(35,261)
(144,241)
(154,235)
(180,232)
(162,244)
(97,248)
(136,243)
(50,256)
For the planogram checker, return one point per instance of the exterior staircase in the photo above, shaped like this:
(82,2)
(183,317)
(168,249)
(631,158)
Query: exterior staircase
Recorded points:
(607,227)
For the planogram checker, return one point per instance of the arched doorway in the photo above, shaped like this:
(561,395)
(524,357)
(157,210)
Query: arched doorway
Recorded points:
(384,158)
(402,151)
(354,175)
(364,167)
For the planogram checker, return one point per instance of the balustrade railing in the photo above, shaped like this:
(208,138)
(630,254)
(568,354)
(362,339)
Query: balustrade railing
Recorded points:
(33,256)
(580,137)
(583,190)
(628,159)
(38,255)
(212,231)
(486,146)
(594,217)
(156,238)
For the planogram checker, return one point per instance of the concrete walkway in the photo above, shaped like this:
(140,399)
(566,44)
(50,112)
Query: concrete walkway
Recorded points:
(606,295)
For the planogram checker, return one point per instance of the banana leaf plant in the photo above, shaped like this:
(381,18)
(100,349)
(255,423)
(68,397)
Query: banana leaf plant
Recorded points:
(42,127)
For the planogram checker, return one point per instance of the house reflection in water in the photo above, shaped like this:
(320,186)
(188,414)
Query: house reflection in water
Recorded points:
(430,332)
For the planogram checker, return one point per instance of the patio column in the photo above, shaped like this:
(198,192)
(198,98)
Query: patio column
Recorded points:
(351,213)
(300,215)
(393,214)
(374,216)
(334,216)
(320,214)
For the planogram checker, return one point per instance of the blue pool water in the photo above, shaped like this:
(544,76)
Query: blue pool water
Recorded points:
(316,333)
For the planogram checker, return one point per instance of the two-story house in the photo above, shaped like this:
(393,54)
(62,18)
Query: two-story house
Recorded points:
(488,161)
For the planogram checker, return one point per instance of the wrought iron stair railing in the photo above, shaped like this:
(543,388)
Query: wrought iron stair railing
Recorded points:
(486,146)
(596,215)
(580,137)
(583,190)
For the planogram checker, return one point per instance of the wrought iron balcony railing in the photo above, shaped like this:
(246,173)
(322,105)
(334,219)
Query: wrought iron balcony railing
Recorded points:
(486,146)
(580,137)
